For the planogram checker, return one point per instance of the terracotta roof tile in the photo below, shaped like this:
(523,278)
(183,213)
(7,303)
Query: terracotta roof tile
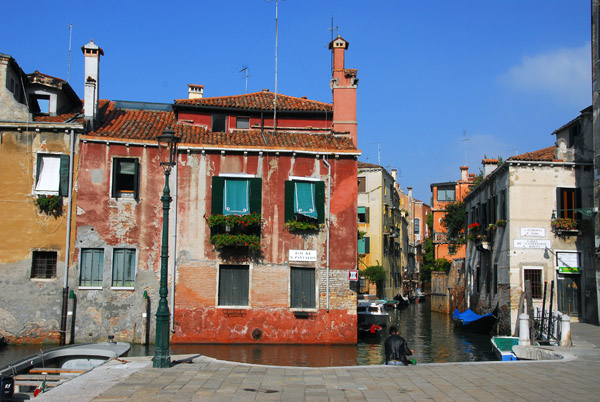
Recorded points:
(542,155)
(259,101)
(147,125)
(365,165)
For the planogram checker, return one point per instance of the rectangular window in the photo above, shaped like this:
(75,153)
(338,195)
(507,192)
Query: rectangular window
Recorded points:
(364,245)
(305,200)
(123,274)
(52,176)
(417,226)
(445,194)
(233,285)
(535,277)
(567,201)
(126,172)
(236,196)
(91,267)
(218,123)
(43,264)
(242,122)
(362,184)
(363,214)
(302,288)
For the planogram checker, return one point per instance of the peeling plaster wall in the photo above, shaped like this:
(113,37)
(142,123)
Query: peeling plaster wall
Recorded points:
(107,223)
(30,309)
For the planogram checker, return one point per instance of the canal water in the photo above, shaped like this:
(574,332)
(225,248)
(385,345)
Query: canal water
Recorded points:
(431,335)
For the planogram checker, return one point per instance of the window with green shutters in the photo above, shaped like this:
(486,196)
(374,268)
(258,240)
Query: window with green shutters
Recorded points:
(52,174)
(123,273)
(302,288)
(91,267)
(233,285)
(125,178)
(364,245)
(305,201)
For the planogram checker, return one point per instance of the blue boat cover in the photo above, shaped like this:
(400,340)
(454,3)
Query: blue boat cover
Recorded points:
(468,316)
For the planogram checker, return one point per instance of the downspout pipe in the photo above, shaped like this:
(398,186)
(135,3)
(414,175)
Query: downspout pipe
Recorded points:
(174,248)
(65,293)
(327,224)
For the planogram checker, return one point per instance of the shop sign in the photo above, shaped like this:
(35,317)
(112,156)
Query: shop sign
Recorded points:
(568,262)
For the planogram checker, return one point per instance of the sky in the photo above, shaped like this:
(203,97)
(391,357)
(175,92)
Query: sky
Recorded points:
(442,83)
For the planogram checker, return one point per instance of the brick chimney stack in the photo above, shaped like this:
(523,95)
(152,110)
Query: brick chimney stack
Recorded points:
(343,85)
(92,53)
(464,173)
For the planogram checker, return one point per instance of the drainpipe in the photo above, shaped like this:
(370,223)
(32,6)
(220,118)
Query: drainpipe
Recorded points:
(328,220)
(174,253)
(65,293)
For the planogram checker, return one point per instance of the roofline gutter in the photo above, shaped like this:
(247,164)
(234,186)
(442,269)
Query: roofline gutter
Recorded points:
(42,125)
(186,147)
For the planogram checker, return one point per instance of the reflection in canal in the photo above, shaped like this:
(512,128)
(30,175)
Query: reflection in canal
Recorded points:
(431,335)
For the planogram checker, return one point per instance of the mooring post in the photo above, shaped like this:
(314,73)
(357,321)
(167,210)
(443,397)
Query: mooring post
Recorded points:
(524,330)
(565,330)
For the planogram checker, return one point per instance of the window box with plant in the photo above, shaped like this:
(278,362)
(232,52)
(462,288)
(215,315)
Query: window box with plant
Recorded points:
(304,205)
(565,226)
(236,219)
(51,205)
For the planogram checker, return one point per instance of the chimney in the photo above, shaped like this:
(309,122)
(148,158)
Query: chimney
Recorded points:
(409,192)
(489,165)
(343,85)
(195,91)
(92,54)
(464,173)
(395,174)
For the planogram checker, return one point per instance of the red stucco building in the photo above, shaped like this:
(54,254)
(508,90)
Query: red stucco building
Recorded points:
(263,219)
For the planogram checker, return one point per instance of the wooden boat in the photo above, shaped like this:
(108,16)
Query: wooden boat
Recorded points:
(473,322)
(372,312)
(402,301)
(502,346)
(418,297)
(52,367)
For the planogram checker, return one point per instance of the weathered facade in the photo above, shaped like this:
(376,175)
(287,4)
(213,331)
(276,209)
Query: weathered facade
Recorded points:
(596,137)
(383,225)
(276,273)
(442,195)
(530,219)
(40,119)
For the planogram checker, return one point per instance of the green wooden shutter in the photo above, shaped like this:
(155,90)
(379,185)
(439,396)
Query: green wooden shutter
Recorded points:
(136,180)
(63,187)
(559,204)
(255,195)
(217,195)
(577,215)
(115,173)
(320,200)
(233,285)
(302,288)
(367,245)
(289,200)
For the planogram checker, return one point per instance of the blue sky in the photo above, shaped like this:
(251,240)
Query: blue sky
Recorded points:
(508,73)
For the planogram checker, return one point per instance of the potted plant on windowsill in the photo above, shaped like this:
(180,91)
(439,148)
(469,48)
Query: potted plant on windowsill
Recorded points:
(236,240)
(51,205)
(235,230)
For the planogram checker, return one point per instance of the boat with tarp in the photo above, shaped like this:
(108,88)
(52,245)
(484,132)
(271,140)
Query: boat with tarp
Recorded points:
(473,322)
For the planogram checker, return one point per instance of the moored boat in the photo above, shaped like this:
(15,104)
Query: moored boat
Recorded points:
(473,322)
(502,346)
(52,367)
(372,312)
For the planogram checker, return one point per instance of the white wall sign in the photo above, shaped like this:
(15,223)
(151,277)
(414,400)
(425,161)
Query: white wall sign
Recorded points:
(531,243)
(533,232)
(302,255)
(353,274)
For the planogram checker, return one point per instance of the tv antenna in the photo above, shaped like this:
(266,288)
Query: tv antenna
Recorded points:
(69,62)
(465,139)
(246,71)
(336,28)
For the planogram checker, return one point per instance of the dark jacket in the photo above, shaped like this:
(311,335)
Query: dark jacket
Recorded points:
(396,349)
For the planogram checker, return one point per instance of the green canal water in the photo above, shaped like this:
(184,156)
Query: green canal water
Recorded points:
(431,335)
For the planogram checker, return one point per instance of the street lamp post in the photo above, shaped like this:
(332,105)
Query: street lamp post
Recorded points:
(167,140)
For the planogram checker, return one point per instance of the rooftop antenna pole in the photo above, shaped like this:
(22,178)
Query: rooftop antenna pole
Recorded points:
(245,70)
(69,63)
(378,154)
(465,139)
(331,29)
(275,99)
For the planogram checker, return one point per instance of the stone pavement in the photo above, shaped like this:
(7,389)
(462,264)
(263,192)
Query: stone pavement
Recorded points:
(198,378)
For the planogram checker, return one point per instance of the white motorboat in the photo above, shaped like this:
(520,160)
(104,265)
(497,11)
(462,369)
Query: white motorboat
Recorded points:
(372,312)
